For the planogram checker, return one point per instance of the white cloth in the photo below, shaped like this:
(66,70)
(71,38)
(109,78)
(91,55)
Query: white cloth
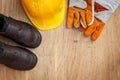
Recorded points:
(78,3)
(111,5)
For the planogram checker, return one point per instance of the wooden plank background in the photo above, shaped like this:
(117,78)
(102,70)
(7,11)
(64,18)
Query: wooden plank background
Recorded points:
(65,54)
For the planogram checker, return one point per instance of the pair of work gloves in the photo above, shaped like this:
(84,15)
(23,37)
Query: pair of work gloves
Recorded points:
(90,16)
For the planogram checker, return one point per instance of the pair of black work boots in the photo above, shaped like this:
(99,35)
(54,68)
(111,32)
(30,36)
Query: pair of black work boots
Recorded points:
(23,33)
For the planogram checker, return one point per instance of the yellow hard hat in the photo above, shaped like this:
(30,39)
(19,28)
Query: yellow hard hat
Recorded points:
(45,14)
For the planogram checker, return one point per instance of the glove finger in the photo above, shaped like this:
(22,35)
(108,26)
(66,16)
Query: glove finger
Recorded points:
(77,19)
(88,16)
(98,31)
(83,18)
(89,31)
(70,17)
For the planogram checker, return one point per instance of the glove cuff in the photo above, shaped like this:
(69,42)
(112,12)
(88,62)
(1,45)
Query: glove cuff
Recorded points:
(111,5)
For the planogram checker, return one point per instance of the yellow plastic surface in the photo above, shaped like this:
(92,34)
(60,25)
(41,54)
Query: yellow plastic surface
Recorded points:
(45,14)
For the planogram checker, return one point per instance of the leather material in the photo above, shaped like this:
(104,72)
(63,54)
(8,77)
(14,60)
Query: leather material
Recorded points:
(21,32)
(17,57)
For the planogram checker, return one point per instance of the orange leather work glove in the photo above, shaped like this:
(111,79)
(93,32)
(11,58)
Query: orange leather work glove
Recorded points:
(91,19)
(94,30)
(82,19)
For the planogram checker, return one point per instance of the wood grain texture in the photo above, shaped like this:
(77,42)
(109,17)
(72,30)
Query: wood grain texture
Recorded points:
(65,54)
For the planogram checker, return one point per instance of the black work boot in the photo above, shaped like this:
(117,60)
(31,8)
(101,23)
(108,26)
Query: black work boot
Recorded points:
(21,32)
(17,57)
